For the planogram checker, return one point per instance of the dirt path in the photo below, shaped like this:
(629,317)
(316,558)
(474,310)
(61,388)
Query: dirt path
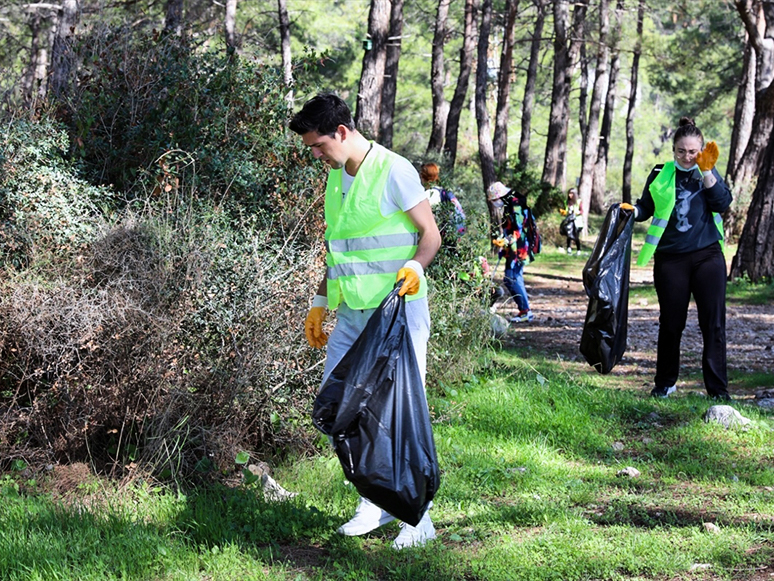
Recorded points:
(559,303)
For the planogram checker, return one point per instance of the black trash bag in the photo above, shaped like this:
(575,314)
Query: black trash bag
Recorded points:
(567,227)
(374,408)
(606,280)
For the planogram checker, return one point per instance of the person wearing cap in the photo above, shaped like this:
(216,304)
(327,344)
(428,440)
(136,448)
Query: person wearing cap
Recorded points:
(510,213)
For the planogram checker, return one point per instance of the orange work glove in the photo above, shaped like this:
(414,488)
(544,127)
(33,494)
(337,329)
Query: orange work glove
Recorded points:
(626,206)
(708,156)
(562,211)
(313,327)
(499,242)
(410,276)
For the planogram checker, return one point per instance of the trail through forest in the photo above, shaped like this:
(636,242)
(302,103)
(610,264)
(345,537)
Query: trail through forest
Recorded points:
(559,303)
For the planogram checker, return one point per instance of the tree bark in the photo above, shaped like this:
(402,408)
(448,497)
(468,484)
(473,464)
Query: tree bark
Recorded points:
(558,115)
(758,21)
(528,102)
(583,93)
(436,78)
(230,25)
(592,135)
(755,253)
(390,90)
(485,150)
(369,95)
(565,51)
(599,182)
(61,53)
(500,144)
(629,156)
(463,80)
(284,28)
(744,111)
(34,79)
(173,21)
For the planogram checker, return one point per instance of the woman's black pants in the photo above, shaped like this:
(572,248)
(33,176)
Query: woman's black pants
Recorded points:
(678,276)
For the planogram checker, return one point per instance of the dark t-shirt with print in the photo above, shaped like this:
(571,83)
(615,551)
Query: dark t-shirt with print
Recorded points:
(691,225)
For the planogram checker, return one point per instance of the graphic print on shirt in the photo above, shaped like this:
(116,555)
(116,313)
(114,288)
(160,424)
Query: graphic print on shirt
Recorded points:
(682,205)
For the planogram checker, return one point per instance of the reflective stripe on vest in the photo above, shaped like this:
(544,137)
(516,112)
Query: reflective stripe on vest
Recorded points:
(662,190)
(365,248)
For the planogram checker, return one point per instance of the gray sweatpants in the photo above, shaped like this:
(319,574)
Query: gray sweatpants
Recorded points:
(350,323)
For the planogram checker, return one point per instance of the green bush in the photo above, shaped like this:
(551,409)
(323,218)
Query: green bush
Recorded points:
(157,105)
(43,206)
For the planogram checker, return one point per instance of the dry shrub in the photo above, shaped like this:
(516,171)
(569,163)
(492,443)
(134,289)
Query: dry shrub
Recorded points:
(171,342)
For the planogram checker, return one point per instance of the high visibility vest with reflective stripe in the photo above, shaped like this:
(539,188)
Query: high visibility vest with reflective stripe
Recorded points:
(365,248)
(662,190)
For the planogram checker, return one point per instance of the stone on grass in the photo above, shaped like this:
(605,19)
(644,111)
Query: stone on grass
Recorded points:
(618,446)
(711,527)
(273,491)
(767,403)
(700,567)
(726,416)
(629,471)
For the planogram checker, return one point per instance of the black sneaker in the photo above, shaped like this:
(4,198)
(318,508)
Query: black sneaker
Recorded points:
(663,391)
(721,396)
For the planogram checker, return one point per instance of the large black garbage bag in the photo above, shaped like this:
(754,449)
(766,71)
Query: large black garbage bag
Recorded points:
(606,280)
(374,408)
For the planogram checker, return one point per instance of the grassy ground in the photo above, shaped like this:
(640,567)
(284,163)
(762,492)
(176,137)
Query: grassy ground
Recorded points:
(530,454)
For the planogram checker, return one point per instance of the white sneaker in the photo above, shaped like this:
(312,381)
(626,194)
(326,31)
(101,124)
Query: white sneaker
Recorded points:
(367,517)
(415,536)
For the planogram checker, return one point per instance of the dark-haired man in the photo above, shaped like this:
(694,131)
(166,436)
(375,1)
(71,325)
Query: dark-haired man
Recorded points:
(379,229)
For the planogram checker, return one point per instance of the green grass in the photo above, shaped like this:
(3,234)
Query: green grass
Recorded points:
(530,453)
(530,457)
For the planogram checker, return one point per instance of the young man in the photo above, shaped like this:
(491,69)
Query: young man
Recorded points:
(379,229)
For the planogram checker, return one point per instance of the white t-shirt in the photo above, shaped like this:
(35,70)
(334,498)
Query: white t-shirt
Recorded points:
(403,190)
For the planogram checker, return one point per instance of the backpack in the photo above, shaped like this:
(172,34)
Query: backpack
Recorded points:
(534,238)
(456,213)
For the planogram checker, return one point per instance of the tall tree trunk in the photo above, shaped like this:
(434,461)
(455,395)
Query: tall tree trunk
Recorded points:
(500,144)
(34,79)
(528,102)
(565,51)
(576,42)
(758,19)
(485,151)
(629,156)
(599,182)
(592,135)
(369,95)
(744,111)
(230,25)
(436,78)
(284,27)
(463,80)
(61,53)
(387,113)
(173,21)
(558,115)
(755,253)
(583,93)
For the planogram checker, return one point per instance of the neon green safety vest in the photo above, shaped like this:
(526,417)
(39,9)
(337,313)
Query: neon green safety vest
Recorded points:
(662,189)
(365,248)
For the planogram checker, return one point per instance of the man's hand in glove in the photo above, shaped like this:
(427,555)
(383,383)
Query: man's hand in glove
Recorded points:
(708,156)
(313,327)
(562,211)
(626,206)
(499,242)
(410,274)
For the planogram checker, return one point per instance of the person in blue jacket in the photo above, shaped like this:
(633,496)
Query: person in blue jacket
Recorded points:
(685,198)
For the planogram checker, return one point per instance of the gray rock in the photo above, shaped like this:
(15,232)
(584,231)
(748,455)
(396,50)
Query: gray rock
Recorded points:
(767,403)
(618,446)
(711,527)
(629,471)
(726,416)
